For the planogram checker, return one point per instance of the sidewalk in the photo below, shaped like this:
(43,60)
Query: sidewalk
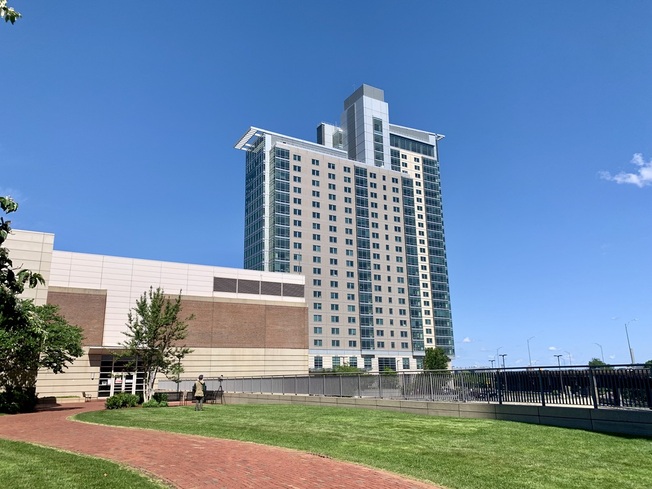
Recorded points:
(188,461)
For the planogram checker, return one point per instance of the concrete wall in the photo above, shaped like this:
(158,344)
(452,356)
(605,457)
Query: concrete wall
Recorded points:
(621,421)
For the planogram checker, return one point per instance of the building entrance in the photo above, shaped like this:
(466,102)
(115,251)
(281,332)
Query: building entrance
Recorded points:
(118,375)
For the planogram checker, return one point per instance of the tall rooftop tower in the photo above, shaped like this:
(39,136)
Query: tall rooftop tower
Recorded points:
(359,213)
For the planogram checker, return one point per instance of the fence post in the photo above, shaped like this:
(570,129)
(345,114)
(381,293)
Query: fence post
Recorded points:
(500,387)
(543,394)
(380,385)
(648,387)
(594,388)
(359,387)
(459,374)
(341,385)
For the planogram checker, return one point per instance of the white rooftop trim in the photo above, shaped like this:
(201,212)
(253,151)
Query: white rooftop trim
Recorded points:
(245,142)
(403,130)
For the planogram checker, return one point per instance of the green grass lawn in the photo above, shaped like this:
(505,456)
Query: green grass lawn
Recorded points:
(456,453)
(25,466)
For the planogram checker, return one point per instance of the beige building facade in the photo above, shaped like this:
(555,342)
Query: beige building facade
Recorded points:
(245,322)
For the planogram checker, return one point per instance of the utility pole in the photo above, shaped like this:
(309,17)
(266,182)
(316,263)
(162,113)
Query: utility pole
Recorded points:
(631,351)
(528,351)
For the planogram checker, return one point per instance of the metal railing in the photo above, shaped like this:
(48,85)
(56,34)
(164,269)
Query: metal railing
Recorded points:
(620,386)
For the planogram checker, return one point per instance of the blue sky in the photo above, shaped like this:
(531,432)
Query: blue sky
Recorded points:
(118,124)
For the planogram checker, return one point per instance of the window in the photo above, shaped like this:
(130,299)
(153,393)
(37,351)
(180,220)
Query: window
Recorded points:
(315,162)
(367,363)
(336,362)
(406,362)
(296,157)
(380,344)
(316,318)
(353,344)
(316,330)
(353,361)
(318,362)
(316,282)
(352,331)
(335,342)
(335,319)
(317,342)
(335,330)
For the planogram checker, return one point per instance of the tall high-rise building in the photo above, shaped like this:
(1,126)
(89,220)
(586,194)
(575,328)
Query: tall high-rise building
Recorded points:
(359,213)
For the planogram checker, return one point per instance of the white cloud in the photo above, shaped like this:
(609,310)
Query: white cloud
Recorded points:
(641,178)
(553,348)
(466,340)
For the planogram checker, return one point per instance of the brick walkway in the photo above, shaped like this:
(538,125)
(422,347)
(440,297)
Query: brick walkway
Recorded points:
(188,461)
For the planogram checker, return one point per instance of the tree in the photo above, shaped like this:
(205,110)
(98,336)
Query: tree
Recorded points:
(596,362)
(31,336)
(8,13)
(154,333)
(435,359)
(648,364)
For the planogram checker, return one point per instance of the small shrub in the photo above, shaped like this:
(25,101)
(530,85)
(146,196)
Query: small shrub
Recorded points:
(122,400)
(153,403)
(160,397)
(17,401)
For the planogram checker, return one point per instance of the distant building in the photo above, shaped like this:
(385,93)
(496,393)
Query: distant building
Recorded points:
(246,322)
(359,213)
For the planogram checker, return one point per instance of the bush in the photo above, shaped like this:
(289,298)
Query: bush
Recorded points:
(153,403)
(121,400)
(18,401)
(160,397)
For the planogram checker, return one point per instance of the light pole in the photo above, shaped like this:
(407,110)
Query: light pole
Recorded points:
(528,351)
(561,381)
(631,351)
(497,350)
(601,351)
(503,355)
(570,359)
(492,362)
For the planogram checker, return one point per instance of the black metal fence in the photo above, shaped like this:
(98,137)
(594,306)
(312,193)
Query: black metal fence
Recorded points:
(623,386)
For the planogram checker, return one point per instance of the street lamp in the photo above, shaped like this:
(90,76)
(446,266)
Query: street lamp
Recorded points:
(503,355)
(528,351)
(631,351)
(570,359)
(497,350)
(492,362)
(558,360)
(601,351)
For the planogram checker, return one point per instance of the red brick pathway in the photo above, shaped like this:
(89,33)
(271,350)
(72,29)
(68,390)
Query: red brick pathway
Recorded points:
(188,461)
